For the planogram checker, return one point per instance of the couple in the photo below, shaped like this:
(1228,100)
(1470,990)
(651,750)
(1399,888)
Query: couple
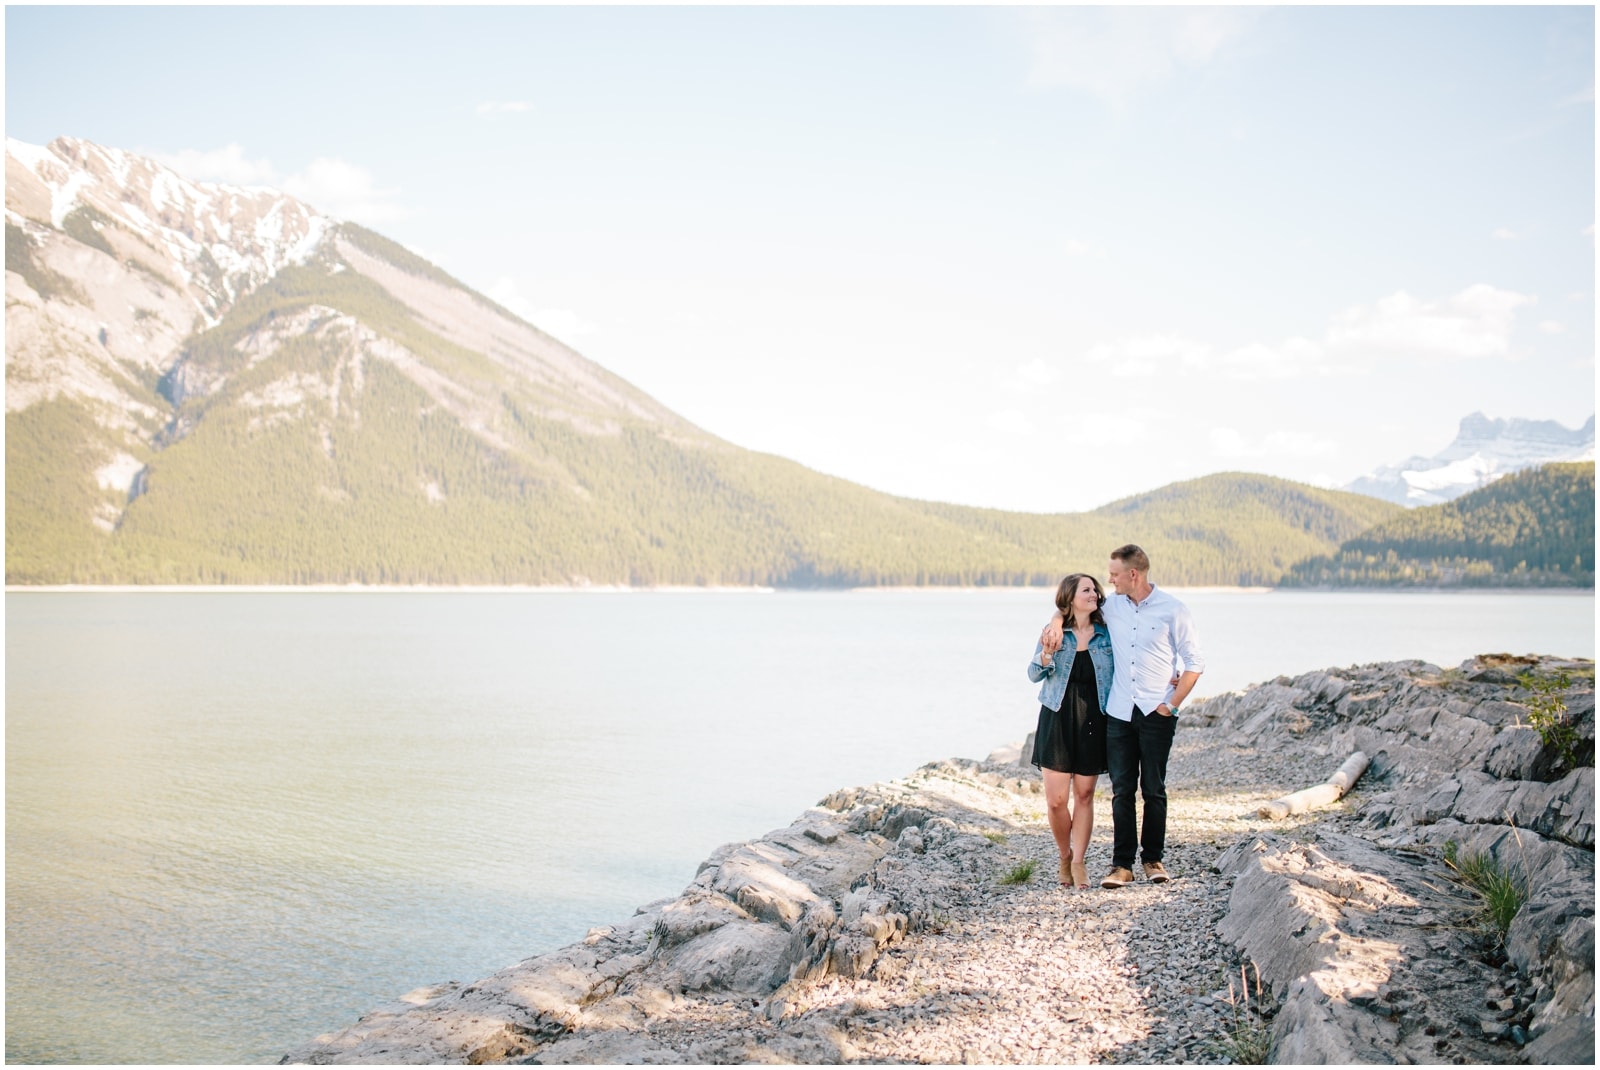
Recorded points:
(1110,702)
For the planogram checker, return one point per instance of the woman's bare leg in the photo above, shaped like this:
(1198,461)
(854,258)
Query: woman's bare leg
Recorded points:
(1057,797)
(1082,816)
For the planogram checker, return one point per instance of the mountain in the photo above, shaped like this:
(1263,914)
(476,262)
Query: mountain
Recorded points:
(1483,451)
(216,384)
(1531,528)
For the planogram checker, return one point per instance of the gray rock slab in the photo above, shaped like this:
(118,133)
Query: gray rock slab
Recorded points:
(613,1047)
(737,957)
(874,927)
(1568,1043)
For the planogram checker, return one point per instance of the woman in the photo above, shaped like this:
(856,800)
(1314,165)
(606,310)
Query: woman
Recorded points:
(1070,744)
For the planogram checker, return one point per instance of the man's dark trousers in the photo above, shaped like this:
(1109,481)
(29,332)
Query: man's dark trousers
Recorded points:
(1136,758)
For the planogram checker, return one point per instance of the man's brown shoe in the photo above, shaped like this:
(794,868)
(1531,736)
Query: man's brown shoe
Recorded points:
(1117,878)
(1155,873)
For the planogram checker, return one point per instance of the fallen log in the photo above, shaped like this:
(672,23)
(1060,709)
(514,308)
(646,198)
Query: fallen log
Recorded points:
(1310,798)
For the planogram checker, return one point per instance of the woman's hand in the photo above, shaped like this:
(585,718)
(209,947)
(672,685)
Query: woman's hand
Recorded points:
(1050,638)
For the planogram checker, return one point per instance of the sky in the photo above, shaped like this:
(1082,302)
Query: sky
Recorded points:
(1025,258)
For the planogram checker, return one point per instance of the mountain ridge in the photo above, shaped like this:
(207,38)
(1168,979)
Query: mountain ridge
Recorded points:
(353,413)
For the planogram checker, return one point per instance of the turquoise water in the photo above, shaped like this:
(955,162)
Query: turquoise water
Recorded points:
(237,820)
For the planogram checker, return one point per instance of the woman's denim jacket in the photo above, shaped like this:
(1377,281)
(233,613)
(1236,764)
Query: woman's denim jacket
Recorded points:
(1055,682)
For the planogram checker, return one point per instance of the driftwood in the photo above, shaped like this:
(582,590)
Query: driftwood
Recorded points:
(1321,795)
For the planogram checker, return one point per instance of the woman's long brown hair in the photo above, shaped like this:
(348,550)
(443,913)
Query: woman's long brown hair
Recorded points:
(1069,588)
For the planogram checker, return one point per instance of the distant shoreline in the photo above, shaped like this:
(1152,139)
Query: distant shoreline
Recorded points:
(359,588)
(367,588)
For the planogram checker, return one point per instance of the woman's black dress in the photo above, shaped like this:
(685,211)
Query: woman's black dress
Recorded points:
(1074,740)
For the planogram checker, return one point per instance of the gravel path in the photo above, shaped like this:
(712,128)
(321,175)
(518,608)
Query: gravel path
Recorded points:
(1033,972)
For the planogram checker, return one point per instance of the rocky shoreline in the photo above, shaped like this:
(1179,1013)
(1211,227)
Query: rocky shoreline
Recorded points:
(880,926)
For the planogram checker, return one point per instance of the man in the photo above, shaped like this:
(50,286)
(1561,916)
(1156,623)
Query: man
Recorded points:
(1152,634)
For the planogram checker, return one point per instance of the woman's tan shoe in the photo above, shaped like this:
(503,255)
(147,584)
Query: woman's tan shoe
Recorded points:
(1066,871)
(1080,876)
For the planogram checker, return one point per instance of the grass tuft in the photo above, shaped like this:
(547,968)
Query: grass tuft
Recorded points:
(1021,873)
(995,837)
(1503,892)
(1249,1039)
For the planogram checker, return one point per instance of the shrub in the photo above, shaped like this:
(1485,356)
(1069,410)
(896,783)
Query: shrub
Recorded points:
(1547,713)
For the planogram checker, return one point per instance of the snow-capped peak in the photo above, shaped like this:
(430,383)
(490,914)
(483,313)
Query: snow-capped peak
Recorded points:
(219,240)
(1484,450)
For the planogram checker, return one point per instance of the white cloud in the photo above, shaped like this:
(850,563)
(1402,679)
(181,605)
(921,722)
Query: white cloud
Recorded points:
(1140,356)
(1551,326)
(1474,323)
(344,190)
(503,107)
(1504,234)
(227,165)
(1588,232)
(1298,444)
(1037,373)
(1226,442)
(424,253)
(561,323)
(1113,425)
(333,186)
(1289,359)
(1010,422)
(1115,52)
(1074,247)
(504,291)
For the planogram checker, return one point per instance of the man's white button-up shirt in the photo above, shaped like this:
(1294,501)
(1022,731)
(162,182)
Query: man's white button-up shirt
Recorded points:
(1150,641)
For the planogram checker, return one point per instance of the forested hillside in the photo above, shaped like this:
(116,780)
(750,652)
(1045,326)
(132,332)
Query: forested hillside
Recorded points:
(210,384)
(1533,528)
(295,456)
(398,491)
(1247,526)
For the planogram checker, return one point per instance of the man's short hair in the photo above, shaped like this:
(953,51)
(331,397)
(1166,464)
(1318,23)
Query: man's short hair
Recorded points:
(1133,557)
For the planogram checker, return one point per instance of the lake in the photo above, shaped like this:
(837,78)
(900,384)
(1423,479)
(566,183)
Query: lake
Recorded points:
(237,820)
